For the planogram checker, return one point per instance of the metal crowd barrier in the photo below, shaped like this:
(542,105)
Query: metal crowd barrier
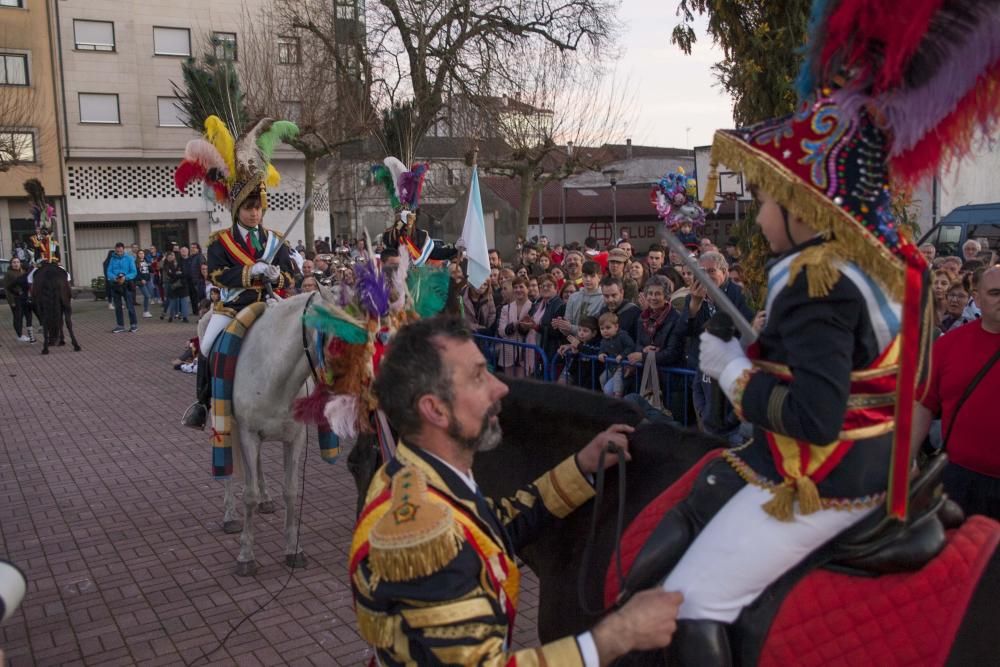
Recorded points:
(671,379)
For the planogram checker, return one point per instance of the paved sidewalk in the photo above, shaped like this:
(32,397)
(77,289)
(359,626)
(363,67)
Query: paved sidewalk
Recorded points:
(108,506)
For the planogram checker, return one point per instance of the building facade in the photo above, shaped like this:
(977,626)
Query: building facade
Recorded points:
(29,135)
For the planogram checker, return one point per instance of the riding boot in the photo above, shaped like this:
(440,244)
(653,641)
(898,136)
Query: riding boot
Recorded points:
(700,642)
(662,550)
(197,415)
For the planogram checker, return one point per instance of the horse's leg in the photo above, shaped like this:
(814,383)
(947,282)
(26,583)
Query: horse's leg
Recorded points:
(295,449)
(246,566)
(230,524)
(265,505)
(46,329)
(68,314)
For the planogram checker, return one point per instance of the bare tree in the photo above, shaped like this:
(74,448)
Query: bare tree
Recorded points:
(419,55)
(288,72)
(18,127)
(556,114)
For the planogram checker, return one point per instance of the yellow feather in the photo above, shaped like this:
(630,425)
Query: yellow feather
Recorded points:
(218,134)
(273,177)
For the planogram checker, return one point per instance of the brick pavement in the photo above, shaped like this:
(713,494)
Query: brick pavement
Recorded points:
(108,506)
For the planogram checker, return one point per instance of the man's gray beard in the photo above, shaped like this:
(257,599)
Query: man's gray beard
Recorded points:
(490,435)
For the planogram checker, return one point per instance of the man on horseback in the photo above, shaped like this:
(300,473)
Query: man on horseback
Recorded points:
(432,560)
(829,385)
(246,261)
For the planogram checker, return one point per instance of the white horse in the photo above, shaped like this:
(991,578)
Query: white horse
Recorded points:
(271,372)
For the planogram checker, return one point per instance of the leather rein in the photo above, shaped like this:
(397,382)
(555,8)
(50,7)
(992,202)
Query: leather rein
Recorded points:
(588,547)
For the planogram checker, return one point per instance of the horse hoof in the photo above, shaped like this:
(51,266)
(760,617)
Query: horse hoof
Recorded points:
(77,348)
(296,560)
(232,527)
(45,351)
(61,343)
(246,569)
(267,507)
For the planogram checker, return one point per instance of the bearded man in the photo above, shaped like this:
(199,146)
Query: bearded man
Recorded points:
(432,561)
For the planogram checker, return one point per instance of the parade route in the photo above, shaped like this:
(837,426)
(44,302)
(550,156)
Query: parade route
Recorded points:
(109,508)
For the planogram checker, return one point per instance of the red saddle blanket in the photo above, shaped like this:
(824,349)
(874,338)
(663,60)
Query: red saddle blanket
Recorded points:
(831,618)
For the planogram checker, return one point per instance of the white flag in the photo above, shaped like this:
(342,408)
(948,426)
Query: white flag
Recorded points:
(474,236)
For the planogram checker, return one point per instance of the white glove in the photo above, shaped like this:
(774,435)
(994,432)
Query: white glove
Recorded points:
(723,360)
(260,269)
(273,273)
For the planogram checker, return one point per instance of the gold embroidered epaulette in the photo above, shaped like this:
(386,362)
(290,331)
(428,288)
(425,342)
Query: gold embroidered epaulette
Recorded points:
(417,536)
(215,235)
(822,265)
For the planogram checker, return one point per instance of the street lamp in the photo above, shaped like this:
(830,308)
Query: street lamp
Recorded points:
(613,175)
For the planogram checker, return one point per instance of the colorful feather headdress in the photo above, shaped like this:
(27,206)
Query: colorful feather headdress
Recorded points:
(42,212)
(674,199)
(890,92)
(232,169)
(354,332)
(401,185)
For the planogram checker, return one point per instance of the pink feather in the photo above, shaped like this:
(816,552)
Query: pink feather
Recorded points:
(205,154)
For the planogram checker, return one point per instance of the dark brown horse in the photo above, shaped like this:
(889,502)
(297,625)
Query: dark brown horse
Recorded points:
(545,423)
(52,301)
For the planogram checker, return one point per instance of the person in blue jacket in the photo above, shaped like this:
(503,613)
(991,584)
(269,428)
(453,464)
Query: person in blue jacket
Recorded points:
(121,274)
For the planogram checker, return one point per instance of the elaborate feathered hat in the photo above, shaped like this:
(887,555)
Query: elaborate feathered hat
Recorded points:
(402,185)
(888,95)
(674,199)
(42,212)
(234,169)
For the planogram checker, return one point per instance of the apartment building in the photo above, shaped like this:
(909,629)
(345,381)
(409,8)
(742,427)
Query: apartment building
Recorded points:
(123,133)
(29,137)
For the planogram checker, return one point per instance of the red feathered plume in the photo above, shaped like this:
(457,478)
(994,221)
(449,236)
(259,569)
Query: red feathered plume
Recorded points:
(309,409)
(187,172)
(221,191)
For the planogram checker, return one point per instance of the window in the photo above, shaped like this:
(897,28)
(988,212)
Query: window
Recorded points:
(171,41)
(15,69)
(346,9)
(291,110)
(17,146)
(11,3)
(288,50)
(170,112)
(99,108)
(94,35)
(224,44)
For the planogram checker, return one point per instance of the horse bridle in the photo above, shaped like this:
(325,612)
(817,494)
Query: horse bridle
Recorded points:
(588,546)
(305,340)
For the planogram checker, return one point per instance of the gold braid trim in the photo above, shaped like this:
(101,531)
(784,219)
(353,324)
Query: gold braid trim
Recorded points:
(739,387)
(803,201)
(775,406)
(823,271)
(377,628)
(418,536)
(785,493)
(246,280)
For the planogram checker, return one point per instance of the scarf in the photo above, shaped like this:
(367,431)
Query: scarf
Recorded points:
(653,320)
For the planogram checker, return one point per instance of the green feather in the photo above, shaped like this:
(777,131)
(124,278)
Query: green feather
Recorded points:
(211,87)
(333,323)
(384,176)
(280,130)
(428,287)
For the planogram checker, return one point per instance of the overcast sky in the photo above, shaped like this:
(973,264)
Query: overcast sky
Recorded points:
(673,91)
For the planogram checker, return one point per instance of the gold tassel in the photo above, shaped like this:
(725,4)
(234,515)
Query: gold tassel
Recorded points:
(808,496)
(822,271)
(781,506)
(815,209)
(413,561)
(377,628)
(711,187)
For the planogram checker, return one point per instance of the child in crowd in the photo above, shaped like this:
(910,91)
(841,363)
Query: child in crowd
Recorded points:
(686,235)
(617,345)
(581,371)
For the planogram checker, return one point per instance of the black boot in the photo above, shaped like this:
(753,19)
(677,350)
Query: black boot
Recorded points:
(700,643)
(197,415)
